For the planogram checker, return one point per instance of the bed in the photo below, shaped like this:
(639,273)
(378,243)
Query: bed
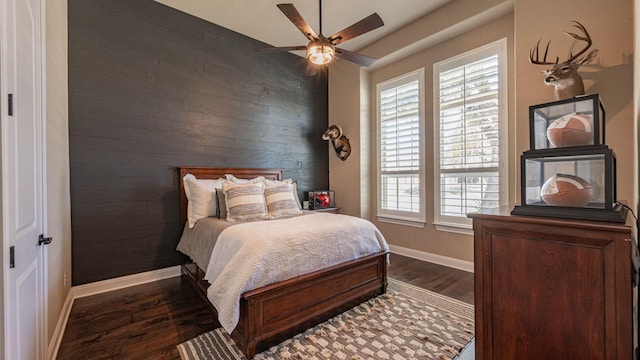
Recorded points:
(273,313)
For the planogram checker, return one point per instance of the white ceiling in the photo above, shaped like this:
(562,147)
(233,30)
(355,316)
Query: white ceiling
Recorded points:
(262,20)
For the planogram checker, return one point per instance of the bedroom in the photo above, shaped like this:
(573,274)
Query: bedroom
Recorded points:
(519,21)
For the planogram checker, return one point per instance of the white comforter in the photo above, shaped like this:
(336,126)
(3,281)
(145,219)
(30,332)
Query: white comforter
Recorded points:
(251,255)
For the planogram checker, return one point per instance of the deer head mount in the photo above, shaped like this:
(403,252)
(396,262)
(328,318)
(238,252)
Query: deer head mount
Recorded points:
(564,75)
(340,142)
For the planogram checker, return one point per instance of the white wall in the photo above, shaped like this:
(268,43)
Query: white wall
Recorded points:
(57,159)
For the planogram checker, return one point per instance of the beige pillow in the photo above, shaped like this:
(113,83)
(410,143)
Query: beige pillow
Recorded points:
(280,201)
(268,182)
(245,202)
(244,181)
(201,196)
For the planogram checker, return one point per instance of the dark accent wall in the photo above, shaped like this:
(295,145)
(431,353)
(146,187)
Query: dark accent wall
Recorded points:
(152,88)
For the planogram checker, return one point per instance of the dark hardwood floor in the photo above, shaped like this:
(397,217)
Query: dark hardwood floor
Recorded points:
(444,280)
(148,321)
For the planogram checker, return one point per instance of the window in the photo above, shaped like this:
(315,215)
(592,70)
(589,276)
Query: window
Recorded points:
(400,133)
(470,111)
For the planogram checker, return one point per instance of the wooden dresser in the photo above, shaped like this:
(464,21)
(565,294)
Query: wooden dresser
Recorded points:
(550,288)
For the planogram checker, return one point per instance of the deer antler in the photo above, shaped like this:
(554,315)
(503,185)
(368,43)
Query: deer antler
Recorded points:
(586,38)
(564,75)
(536,52)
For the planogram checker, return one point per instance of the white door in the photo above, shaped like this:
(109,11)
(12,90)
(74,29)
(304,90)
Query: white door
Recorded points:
(22,178)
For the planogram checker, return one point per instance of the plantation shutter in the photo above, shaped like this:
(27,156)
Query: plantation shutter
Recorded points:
(400,147)
(469,137)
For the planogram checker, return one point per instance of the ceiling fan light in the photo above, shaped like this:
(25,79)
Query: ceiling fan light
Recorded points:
(320,54)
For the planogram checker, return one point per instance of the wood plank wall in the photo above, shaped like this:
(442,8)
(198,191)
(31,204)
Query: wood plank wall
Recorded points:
(150,89)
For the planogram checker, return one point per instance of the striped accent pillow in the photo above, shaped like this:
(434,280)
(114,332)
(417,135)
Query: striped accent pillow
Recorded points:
(245,202)
(280,201)
(268,182)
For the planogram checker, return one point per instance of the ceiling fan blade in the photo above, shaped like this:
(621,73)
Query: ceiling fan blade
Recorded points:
(282,48)
(365,25)
(290,11)
(354,57)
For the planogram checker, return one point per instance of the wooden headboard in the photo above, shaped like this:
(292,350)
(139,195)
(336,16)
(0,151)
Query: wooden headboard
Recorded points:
(216,173)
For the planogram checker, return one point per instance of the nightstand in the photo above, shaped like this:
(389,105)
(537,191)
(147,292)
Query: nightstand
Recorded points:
(332,210)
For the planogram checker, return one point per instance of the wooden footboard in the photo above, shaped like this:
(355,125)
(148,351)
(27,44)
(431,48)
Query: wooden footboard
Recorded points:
(276,312)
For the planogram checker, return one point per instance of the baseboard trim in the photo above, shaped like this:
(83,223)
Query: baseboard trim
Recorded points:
(99,287)
(433,258)
(58,333)
(125,281)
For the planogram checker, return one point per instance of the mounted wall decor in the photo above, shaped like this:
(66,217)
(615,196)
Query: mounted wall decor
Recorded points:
(340,142)
(564,76)
(322,50)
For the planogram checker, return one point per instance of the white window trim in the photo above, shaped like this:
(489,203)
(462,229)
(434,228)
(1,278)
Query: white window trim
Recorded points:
(453,223)
(401,217)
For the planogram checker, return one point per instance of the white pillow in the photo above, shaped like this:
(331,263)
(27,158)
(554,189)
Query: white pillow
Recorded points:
(280,201)
(268,182)
(234,179)
(201,196)
(245,202)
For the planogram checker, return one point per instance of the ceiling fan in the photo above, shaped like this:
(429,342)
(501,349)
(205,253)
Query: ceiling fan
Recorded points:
(322,50)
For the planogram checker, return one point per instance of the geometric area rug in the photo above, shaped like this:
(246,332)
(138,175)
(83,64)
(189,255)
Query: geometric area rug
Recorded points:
(405,323)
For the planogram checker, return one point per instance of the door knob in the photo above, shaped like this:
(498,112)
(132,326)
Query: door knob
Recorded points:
(44,240)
